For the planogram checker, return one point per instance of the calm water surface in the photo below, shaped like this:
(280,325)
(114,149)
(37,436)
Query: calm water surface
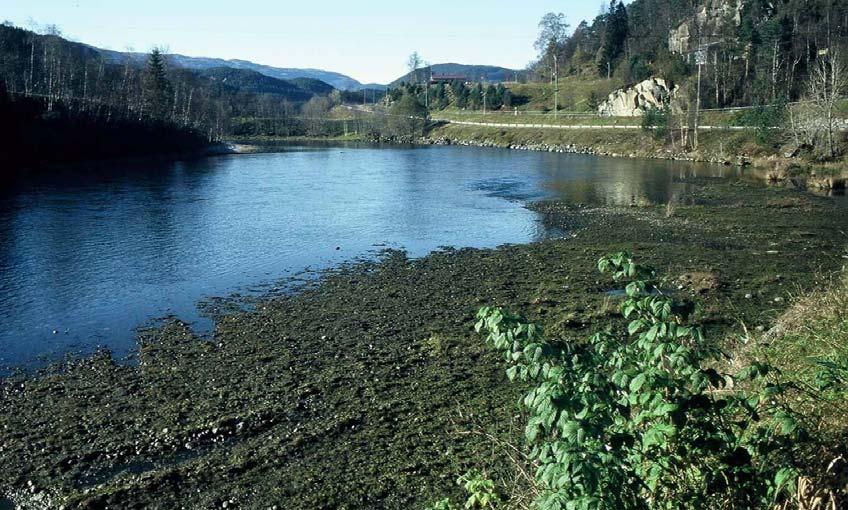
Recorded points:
(88,255)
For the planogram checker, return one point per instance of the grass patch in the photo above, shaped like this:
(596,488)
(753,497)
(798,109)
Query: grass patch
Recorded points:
(573,93)
(815,330)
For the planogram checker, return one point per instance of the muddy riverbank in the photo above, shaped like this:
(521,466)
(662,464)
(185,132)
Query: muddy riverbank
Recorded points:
(357,391)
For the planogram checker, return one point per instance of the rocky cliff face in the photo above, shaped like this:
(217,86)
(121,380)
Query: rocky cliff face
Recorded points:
(710,25)
(634,101)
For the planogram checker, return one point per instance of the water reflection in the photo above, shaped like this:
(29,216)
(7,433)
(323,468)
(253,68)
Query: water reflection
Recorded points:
(619,182)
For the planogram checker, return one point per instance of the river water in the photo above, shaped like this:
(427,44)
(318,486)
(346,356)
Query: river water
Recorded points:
(90,253)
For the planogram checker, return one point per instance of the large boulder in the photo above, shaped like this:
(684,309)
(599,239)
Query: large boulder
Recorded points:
(634,101)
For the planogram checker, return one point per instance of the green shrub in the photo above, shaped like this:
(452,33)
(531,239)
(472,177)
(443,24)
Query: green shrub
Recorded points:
(637,419)
(765,119)
(593,101)
(481,494)
(656,120)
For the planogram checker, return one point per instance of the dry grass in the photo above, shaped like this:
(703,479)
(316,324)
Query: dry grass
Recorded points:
(825,492)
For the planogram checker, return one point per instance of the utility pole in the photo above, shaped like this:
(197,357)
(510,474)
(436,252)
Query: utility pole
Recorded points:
(556,87)
(427,87)
(700,59)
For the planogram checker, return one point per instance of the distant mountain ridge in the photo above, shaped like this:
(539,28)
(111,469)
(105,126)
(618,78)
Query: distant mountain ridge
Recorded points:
(484,73)
(337,80)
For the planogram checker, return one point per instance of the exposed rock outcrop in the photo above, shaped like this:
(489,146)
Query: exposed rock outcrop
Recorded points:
(710,25)
(635,100)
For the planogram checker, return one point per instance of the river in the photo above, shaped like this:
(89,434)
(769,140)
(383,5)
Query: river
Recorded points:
(90,253)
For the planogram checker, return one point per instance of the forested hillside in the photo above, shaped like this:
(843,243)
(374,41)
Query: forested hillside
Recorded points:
(784,62)
(247,81)
(63,101)
(753,51)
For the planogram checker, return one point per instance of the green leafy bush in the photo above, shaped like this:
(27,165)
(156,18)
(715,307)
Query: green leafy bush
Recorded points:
(481,494)
(637,419)
(481,491)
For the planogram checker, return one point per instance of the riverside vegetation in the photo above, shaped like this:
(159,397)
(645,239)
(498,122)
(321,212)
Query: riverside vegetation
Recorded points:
(369,387)
(640,419)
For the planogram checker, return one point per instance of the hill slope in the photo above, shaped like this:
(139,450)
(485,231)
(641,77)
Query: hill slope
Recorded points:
(313,86)
(245,80)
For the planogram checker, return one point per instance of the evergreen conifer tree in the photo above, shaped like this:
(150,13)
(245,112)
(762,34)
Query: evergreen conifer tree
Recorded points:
(157,88)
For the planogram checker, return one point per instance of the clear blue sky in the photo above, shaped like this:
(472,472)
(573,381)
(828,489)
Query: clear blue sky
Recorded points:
(369,40)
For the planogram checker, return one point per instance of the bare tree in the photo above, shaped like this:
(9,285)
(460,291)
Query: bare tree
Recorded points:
(553,31)
(828,82)
(315,113)
(414,63)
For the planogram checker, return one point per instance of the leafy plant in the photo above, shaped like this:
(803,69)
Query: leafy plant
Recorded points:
(442,504)
(481,491)
(637,419)
(831,373)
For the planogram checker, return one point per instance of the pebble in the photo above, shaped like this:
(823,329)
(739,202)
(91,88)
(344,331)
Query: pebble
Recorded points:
(749,296)
(778,300)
